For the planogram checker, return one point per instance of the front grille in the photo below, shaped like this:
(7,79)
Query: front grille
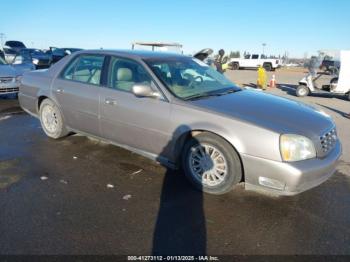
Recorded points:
(5,80)
(9,90)
(328,140)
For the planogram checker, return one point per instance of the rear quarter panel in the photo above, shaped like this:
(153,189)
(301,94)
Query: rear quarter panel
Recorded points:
(33,85)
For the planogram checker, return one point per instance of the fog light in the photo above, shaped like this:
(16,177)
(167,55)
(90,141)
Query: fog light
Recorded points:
(272,183)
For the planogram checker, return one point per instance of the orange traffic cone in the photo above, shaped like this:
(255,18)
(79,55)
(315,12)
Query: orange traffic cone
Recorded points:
(272,83)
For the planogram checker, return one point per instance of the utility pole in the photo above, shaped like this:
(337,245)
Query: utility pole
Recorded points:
(2,38)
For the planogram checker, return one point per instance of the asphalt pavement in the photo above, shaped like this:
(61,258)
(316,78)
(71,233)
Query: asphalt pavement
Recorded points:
(81,196)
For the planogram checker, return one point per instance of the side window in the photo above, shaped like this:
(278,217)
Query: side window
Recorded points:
(124,73)
(85,69)
(69,71)
(255,56)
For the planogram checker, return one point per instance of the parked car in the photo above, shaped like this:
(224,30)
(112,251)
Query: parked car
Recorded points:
(39,59)
(15,45)
(10,76)
(253,61)
(70,50)
(8,54)
(57,54)
(181,112)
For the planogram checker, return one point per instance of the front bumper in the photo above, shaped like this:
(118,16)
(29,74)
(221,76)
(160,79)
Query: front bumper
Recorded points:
(284,178)
(9,88)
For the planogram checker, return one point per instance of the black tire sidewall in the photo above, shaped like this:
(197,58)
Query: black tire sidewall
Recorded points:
(235,66)
(234,166)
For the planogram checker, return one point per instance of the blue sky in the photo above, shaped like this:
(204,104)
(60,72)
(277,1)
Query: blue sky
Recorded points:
(296,26)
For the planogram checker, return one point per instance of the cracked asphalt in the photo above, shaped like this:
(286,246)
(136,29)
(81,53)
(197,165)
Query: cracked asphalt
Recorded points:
(80,196)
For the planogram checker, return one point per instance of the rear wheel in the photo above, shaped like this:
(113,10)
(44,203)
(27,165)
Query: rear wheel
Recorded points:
(348,96)
(51,120)
(268,67)
(211,164)
(302,91)
(235,66)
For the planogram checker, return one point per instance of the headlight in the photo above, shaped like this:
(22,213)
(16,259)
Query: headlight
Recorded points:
(35,61)
(296,148)
(18,79)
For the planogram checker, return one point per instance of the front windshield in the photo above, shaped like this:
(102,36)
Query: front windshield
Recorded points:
(2,61)
(188,77)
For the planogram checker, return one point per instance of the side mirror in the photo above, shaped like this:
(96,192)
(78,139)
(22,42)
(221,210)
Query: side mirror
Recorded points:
(144,91)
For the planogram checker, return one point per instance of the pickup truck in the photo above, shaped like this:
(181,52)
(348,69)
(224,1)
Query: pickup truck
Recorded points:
(253,61)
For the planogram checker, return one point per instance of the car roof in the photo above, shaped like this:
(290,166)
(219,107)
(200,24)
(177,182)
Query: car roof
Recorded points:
(141,54)
(31,49)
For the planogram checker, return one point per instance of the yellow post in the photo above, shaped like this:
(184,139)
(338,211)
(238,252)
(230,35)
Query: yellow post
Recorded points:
(262,78)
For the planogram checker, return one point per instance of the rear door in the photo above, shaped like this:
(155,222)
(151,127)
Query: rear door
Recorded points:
(139,122)
(254,61)
(77,92)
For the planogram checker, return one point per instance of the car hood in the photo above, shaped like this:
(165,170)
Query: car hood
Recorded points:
(15,70)
(22,68)
(268,111)
(7,71)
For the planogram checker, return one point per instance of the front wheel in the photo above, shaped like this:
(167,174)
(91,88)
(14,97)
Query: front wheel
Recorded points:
(302,91)
(211,164)
(51,120)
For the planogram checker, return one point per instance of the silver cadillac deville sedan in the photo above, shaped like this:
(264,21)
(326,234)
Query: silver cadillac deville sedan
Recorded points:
(182,113)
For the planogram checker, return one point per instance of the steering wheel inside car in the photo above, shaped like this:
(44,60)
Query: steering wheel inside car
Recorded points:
(194,81)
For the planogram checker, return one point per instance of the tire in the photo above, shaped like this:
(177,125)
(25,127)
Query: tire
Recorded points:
(348,96)
(268,67)
(235,66)
(302,91)
(225,156)
(334,80)
(51,120)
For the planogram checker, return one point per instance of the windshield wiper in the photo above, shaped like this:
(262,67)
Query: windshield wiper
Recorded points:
(209,94)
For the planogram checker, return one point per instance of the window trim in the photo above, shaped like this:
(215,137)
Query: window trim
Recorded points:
(107,73)
(77,58)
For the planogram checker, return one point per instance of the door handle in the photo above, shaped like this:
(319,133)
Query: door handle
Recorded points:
(59,90)
(109,101)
